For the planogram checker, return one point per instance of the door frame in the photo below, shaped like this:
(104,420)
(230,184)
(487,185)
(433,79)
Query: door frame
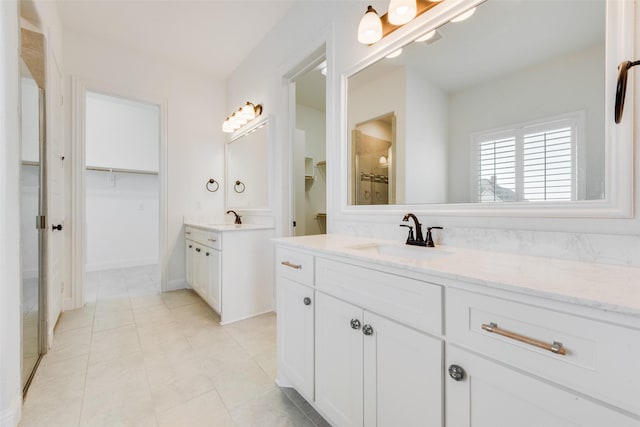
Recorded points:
(312,60)
(79,88)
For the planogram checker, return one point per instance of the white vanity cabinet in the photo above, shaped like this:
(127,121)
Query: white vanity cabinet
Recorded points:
(362,369)
(231,269)
(396,345)
(203,261)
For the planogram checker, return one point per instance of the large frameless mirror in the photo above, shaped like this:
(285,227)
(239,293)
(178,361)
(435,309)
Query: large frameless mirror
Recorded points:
(505,106)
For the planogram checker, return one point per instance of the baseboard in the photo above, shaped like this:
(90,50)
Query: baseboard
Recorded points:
(11,416)
(68,304)
(120,264)
(246,317)
(176,284)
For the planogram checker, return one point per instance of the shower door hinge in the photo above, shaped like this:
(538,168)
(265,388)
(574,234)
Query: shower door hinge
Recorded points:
(41,222)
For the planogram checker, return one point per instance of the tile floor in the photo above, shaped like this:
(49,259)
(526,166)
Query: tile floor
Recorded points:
(135,357)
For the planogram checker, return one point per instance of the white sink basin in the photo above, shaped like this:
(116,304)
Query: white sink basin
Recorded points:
(400,251)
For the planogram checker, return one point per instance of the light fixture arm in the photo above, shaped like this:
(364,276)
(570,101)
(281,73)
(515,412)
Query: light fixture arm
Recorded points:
(621,87)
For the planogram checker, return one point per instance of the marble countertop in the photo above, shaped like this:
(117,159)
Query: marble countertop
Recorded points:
(227,227)
(606,287)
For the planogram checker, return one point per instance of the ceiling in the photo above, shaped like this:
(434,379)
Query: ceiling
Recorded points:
(212,36)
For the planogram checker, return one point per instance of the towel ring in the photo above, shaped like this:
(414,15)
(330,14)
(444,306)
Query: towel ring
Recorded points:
(212,181)
(239,184)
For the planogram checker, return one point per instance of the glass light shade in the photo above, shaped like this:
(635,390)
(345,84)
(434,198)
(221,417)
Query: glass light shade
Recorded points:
(382,160)
(239,118)
(248,112)
(394,54)
(465,15)
(227,126)
(401,11)
(426,37)
(370,28)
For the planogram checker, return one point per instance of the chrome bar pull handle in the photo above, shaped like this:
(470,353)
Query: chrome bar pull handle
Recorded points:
(290,265)
(556,347)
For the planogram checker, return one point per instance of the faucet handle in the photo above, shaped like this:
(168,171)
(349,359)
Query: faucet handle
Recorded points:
(429,238)
(410,237)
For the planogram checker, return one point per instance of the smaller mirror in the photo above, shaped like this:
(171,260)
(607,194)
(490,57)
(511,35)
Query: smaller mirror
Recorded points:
(247,169)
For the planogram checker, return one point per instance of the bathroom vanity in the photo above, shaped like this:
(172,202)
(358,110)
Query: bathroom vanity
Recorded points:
(380,333)
(230,267)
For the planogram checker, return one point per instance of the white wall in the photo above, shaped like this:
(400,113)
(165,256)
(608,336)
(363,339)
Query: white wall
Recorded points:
(196,109)
(121,133)
(122,220)
(30,125)
(10,381)
(426,139)
(305,28)
(313,123)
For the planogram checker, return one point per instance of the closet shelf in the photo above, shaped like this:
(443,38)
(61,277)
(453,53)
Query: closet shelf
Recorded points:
(321,163)
(118,170)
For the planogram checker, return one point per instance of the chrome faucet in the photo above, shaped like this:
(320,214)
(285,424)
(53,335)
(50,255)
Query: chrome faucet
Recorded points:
(418,240)
(238,219)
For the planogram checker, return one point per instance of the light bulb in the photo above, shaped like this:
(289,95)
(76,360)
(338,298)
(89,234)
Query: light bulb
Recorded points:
(382,160)
(248,112)
(227,126)
(370,28)
(401,11)
(240,119)
(464,15)
(426,36)
(394,54)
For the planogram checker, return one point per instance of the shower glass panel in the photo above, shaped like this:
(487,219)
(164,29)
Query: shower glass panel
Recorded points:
(30,208)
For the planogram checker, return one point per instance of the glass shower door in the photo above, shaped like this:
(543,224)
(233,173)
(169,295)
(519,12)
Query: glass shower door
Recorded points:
(30,232)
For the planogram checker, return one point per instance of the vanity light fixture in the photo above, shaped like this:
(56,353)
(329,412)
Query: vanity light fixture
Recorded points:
(241,117)
(373,28)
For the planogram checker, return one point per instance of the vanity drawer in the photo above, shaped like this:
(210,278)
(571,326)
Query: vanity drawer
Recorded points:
(412,302)
(295,265)
(600,358)
(204,237)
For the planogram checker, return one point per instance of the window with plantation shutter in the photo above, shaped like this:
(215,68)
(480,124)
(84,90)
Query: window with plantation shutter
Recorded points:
(532,162)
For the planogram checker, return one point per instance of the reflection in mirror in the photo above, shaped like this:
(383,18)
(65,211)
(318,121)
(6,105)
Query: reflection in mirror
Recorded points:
(247,163)
(373,147)
(505,106)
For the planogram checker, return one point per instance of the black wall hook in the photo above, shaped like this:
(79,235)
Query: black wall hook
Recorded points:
(621,87)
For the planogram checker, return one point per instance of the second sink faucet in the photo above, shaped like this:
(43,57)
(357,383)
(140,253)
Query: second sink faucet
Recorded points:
(419,240)
(238,219)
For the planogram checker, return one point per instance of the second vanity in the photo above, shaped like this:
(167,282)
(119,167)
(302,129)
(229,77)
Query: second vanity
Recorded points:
(376,333)
(230,267)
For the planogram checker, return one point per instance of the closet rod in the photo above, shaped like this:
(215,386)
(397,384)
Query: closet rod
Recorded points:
(103,169)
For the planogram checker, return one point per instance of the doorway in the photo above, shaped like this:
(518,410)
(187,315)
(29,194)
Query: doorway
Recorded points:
(309,150)
(122,197)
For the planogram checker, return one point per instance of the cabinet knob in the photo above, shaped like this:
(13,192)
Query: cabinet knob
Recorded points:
(456,372)
(355,324)
(198,249)
(306,301)
(367,330)
(56,227)
(190,246)
(207,253)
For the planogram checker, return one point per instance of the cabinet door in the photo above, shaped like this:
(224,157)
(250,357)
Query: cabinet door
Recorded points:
(296,335)
(199,271)
(213,275)
(189,250)
(339,352)
(492,395)
(402,375)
